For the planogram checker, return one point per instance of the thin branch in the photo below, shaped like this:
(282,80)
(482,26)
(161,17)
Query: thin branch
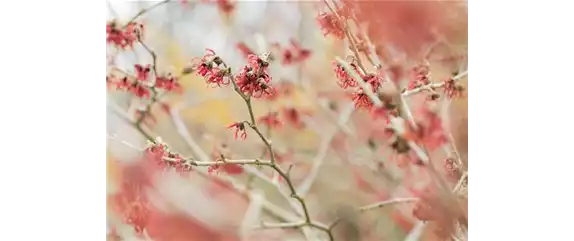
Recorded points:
(253,125)
(143,11)
(292,225)
(375,206)
(367,88)
(460,182)
(192,162)
(386,203)
(432,86)
(324,147)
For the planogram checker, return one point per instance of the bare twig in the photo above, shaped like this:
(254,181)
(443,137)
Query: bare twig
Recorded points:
(375,206)
(143,11)
(460,182)
(324,147)
(432,86)
(253,125)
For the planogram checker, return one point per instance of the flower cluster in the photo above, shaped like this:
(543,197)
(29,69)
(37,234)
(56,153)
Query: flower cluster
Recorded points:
(210,68)
(160,155)
(123,37)
(344,80)
(293,53)
(360,97)
(419,77)
(452,89)
(140,85)
(133,206)
(331,25)
(271,120)
(253,79)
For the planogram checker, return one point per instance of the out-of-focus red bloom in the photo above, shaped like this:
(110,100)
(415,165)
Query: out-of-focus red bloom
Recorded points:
(168,83)
(419,77)
(147,117)
(231,169)
(432,132)
(240,131)
(281,89)
(294,53)
(123,38)
(431,207)
(179,227)
(132,205)
(139,90)
(361,182)
(142,72)
(224,6)
(410,26)
(401,220)
(165,107)
(271,120)
(244,50)
(292,116)
(330,25)
(452,89)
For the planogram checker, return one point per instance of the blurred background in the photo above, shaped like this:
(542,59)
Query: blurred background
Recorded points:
(336,156)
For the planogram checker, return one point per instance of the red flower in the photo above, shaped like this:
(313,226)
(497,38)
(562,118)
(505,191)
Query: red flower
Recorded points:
(410,26)
(329,24)
(240,131)
(231,169)
(362,100)
(117,36)
(430,131)
(139,90)
(419,77)
(452,89)
(208,68)
(245,51)
(169,83)
(132,205)
(271,120)
(294,54)
(142,73)
(293,117)
(254,83)
(344,79)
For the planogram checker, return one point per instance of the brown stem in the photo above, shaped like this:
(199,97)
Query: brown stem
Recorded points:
(253,125)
